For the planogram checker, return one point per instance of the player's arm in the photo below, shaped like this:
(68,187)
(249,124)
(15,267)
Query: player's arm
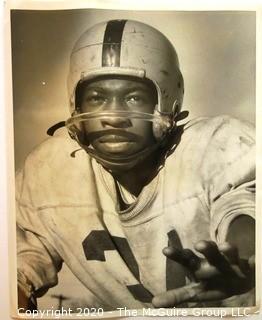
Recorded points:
(38,262)
(37,266)
(223,267)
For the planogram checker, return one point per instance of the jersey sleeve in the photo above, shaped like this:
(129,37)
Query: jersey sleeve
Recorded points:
(37,261)
(231,190)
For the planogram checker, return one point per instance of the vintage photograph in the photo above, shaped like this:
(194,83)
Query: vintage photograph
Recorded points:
(134,139)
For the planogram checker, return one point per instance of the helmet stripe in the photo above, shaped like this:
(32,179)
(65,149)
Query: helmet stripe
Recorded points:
(112,43)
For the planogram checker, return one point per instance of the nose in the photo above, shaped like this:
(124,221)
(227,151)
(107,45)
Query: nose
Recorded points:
(115,121)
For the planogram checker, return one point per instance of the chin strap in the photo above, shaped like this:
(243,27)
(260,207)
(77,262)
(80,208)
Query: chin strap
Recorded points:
(55,127)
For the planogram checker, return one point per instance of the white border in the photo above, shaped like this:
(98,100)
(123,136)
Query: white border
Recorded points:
(136,4)
(6,117)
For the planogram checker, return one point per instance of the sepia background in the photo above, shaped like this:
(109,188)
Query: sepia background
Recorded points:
(217,52)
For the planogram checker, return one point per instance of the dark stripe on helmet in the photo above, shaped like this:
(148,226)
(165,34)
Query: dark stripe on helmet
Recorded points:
(112,43)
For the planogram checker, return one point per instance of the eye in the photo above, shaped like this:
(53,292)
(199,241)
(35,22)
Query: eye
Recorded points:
(95,99)
(134,99)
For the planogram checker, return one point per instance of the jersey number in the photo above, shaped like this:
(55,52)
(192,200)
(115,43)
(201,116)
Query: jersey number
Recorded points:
(99,241)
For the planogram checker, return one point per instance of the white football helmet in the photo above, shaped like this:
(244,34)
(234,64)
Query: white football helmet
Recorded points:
(126,48)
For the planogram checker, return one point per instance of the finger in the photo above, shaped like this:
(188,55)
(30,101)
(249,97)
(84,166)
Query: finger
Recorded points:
(240,266)
(210,250)
(206,271)
(230,252)
(186,257)
(175,297)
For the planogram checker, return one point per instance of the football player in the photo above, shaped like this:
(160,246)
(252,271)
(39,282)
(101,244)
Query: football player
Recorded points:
(146,211)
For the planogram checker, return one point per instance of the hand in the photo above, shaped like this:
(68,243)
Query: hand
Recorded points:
(219,275)
(25,303)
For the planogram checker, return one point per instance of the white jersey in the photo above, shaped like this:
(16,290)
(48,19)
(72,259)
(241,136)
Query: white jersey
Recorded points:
(68,212)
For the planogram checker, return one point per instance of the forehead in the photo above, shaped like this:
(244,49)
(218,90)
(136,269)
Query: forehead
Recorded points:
(120,83)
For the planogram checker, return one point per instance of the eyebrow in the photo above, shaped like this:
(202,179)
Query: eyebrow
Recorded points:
(102,89)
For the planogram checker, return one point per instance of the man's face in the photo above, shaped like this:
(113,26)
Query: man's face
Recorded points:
(119,135)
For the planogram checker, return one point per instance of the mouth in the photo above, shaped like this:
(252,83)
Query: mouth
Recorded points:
(116,147)
(116,144)
(113,136)
(119,139)
(115,141)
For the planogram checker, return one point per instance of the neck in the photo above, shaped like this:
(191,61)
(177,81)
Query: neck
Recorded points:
(135,179)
